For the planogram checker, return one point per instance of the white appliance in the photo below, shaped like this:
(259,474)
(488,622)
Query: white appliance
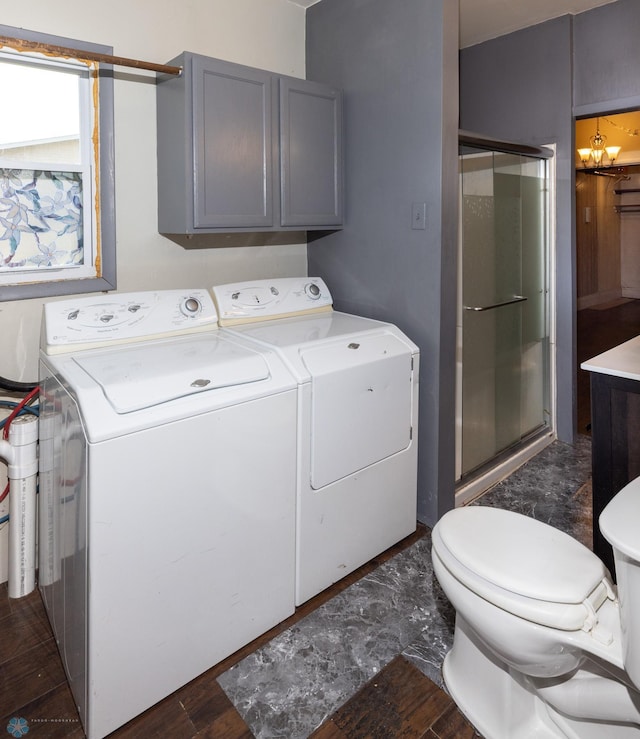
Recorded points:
(357,421)
(167,499)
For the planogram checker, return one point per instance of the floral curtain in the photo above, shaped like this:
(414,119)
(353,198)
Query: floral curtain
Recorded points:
(40,219)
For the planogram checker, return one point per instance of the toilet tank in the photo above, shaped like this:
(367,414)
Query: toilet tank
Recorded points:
(619,525)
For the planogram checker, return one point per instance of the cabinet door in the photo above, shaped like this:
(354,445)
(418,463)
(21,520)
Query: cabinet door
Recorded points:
(232,130)
(310,154)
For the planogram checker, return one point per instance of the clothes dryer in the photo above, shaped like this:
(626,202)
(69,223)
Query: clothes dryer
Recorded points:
(167,495)
(357,421)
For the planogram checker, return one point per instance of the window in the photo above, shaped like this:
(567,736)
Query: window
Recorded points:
(57,224)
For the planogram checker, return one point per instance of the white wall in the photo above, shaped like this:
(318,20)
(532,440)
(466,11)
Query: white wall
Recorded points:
(269,34)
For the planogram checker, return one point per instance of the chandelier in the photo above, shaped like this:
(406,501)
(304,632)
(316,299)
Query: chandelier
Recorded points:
(598,155)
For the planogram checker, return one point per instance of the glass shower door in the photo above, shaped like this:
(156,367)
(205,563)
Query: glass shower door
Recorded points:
(503,322)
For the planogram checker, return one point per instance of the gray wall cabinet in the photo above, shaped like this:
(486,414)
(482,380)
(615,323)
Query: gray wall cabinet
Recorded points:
(242,149)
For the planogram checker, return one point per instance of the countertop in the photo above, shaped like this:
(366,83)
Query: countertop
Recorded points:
(621,361)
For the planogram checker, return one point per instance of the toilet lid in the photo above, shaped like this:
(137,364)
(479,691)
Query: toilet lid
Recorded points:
(619,520)
(523,565)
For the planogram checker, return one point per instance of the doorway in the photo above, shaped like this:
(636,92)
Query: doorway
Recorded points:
(503,408)
(607,237)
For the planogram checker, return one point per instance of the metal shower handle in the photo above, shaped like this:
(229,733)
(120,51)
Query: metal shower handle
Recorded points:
(478,308)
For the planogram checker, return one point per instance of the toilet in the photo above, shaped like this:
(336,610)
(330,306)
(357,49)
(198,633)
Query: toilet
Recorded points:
(545,645)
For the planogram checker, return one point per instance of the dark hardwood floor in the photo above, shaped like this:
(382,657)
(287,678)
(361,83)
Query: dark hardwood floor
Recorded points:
(399,702)
(600,329)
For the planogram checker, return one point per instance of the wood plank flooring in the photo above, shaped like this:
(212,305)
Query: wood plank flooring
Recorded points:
(399,702)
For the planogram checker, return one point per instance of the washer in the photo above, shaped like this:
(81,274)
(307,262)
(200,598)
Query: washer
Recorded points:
(167,495)
(357,421)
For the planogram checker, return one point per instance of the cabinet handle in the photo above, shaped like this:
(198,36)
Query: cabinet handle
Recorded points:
(478,308)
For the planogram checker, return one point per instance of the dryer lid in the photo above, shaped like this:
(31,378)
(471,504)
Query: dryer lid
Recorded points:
(145,375)
(520,555)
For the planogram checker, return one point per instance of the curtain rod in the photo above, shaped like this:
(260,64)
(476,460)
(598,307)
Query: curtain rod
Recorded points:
(91,56)
(480,141)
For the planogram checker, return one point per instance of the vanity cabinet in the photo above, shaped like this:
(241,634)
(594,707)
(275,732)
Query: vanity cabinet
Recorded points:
(615,430)
(242,149)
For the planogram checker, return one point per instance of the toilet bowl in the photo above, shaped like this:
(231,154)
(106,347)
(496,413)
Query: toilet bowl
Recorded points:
(544,643)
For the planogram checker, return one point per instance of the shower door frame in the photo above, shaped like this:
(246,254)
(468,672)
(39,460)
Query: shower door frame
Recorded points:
(504,463)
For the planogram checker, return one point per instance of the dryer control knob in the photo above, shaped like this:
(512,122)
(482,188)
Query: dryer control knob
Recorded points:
(191,307)
(312,290)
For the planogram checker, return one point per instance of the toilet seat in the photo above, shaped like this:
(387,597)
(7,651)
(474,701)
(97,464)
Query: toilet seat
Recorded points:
(523,566)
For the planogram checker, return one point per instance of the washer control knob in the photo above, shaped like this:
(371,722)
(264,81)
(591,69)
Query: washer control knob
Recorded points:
(191,307)
(312,290)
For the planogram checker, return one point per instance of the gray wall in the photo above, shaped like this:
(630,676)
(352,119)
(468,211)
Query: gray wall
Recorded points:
(528,86)
(518,87)
(397,63)
(398,66)
(606,47)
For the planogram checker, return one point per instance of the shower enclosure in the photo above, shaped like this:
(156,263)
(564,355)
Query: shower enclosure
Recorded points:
(504,368)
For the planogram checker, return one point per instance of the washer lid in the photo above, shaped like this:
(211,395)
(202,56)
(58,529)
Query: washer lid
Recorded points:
(141,376)
(521,555)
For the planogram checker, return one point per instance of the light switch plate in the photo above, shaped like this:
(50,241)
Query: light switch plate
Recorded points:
(418,216)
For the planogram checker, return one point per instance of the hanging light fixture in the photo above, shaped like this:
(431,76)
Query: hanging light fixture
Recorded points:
(598,154)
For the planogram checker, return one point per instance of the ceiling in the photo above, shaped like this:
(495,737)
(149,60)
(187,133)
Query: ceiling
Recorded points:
(481,20)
